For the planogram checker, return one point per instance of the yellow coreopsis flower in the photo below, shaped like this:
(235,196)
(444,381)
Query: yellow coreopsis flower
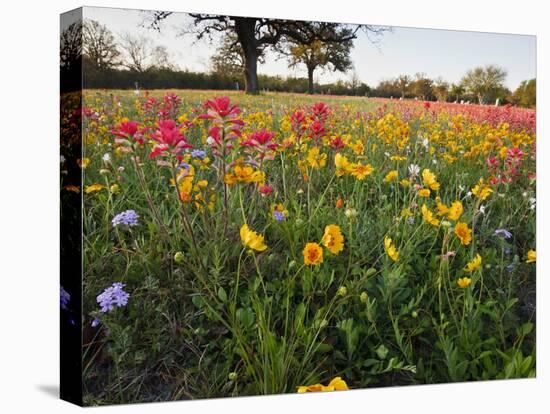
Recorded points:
(398,158)
(531,256)
(463,233)
(358,147)
(313,254)
(360,171)
(455,211)
(251,239)
(333,239)
(337,384)
(464,282)
(390,249)
(405,183)
(428,216)
(244,174)
(442,209)
(93,187)
(430,179)
(315,158)
(424,192)
(391,176)
(474,264)
(482,190)
(342,164)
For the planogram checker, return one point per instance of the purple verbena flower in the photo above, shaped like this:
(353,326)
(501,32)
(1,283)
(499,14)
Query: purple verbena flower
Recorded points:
(65,299)
(505,234)
(113,296)
(198,154)
(128,217)
(278,215)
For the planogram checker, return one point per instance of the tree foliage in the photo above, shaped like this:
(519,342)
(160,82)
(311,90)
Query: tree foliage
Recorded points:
(334,55)
(526,94)
(99,45)
(485,83)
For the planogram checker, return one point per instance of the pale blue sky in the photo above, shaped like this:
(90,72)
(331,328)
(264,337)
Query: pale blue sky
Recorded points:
(444,53)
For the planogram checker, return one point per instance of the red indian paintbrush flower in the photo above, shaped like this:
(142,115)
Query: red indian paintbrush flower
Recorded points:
(221,108)
(262,142)
(169,139)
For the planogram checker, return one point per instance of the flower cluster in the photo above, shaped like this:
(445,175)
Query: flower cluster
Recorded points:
(128,218)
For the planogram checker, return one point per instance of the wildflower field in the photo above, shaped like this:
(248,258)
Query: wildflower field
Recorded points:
(243,245)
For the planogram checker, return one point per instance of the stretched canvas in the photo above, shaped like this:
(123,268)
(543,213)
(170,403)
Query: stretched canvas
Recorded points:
(255,205)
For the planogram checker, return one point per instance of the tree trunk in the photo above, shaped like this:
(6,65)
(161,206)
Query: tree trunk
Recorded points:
(244,26)
(310,70)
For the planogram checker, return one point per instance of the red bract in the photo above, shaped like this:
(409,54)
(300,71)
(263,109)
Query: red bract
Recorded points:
(492,162)
(262,142)
(427,105)
(125,129)
(125,133)
(226,126)
(337,143)
(169,140)
(320,111)
(220,107)
(317,129)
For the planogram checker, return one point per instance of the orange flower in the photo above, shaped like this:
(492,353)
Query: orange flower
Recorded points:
(463,233)
(313,254)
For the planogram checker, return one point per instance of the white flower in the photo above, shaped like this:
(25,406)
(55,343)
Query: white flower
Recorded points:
(482,209)
(434,161)
(461,188)
(210,141)
(61,159)
(414,170)
(425,142)
(350,212)
(106,157)
(469,194)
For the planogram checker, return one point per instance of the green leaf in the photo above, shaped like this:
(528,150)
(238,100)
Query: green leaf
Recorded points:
(222,295)
(382,352)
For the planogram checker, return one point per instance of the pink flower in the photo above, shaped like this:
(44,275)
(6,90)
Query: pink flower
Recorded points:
(265,190)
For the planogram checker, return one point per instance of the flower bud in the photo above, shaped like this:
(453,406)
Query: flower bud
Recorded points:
(342,291)
(104,171)
(232,376)
(414,314)
(350,212)
(364,297)
(178,257)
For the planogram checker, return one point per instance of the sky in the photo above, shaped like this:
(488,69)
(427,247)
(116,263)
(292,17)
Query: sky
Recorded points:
(438,53)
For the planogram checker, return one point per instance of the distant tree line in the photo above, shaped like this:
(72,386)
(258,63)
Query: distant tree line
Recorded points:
(482,85)
(134,61)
